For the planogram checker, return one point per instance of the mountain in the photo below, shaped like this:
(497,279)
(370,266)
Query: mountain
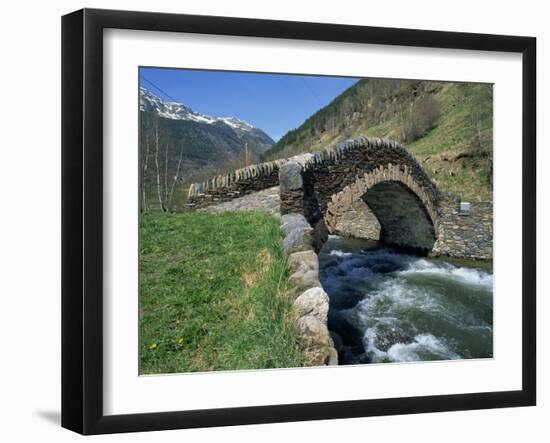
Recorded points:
(447,126)
(179,146)
(238,130)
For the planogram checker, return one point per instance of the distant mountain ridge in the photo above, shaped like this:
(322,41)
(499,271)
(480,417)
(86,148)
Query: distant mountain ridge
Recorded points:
(179,146)
(149,102)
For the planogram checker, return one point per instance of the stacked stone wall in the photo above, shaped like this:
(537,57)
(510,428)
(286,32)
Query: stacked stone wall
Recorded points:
(224,188)
(465,236)
(356,220)
(311,304)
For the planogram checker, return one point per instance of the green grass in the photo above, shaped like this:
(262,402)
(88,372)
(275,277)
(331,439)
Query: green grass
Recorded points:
(213,294)
(456,135)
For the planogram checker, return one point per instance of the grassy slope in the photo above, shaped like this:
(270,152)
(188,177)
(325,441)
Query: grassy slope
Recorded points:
(213,294)
(446,151)
(450,152)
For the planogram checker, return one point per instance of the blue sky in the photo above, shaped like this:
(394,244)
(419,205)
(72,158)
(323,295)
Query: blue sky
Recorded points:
(276,103)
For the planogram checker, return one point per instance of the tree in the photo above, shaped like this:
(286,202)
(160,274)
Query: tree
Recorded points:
(176,178)
(143,178)
(418,117)
(480,101)
(158,177)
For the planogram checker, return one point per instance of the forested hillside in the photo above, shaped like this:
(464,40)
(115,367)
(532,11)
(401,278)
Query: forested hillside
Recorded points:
(447,126)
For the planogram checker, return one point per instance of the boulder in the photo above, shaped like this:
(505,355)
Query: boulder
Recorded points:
(290,176)
(299,239)
(305,280)
(303,261)
(304,266)
(322,356)
(314,337)
(311,332)
(317,234)
(290,222)
(314,302)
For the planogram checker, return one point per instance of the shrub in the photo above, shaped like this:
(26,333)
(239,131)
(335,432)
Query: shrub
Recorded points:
(418,118)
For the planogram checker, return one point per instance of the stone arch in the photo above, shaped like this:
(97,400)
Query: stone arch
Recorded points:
(405,213)
(380,172)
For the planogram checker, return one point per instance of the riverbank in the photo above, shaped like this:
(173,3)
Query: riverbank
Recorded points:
(214,294)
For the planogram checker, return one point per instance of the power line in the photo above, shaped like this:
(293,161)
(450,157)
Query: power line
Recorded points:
(313,93)
(159,89)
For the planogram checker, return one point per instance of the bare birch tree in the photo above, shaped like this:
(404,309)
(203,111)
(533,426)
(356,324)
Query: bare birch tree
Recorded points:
(166,174)
(159,185)
(176,177)
(247,159)
(144,176)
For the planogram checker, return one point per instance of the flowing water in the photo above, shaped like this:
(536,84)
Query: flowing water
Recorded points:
(387,306)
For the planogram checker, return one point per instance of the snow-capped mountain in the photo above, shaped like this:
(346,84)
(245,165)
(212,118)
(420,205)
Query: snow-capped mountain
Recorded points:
(194,144)
(178,111)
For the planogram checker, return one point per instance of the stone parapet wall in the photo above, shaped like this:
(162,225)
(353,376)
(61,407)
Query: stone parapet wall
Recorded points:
(224,188)
(465,236)
(311,304)
(340,162)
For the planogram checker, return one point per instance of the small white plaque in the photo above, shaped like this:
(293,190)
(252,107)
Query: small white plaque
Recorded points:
(464,208)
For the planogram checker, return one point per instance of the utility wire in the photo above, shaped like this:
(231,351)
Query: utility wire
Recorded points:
(159,89)
(312,92)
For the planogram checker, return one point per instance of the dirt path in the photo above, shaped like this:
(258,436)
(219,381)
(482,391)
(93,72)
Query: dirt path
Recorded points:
(266,201)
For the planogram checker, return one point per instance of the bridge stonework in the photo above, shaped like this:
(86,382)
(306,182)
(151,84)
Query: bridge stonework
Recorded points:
(387,189)
(382,173)
(377,184)
(356,220)
(236,184)
(463,236)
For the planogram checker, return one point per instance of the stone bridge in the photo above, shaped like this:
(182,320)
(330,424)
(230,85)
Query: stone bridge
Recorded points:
(399,200)
(381,173)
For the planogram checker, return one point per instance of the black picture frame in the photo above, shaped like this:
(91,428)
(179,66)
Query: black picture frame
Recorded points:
(82,218)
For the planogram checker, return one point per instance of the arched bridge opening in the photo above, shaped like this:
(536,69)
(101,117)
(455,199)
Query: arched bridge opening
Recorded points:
(403,218)
(381,173)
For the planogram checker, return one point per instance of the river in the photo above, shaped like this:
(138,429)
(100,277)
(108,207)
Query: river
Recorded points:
(387,306)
